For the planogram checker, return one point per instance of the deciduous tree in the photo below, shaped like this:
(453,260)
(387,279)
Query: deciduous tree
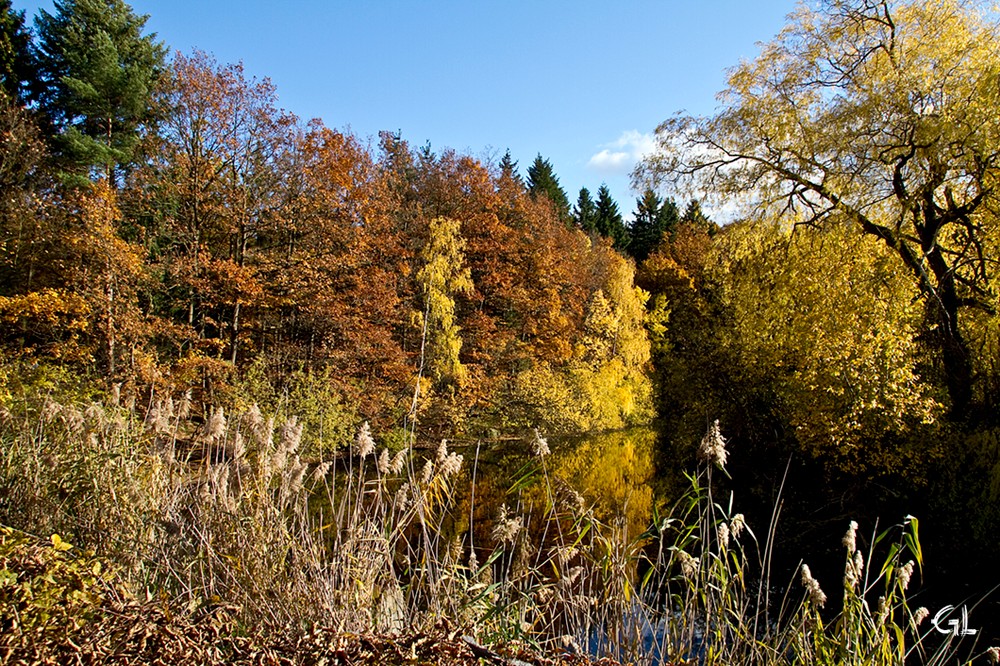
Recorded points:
(880,115)
(443,277)
(215,185)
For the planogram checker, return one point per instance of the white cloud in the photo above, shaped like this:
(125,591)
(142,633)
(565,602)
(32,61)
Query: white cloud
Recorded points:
(609,162)
(620,155)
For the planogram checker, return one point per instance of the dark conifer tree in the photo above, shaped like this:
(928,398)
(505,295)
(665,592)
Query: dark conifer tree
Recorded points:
(609,219)
(694,216)
(508,168)
(16,64)
(97,72)
(585,212)
(542,181)
(654,219)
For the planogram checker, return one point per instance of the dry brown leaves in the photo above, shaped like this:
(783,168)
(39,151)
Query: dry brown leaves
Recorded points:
(134,633)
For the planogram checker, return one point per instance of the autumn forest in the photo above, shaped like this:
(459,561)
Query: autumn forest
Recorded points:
(168,234)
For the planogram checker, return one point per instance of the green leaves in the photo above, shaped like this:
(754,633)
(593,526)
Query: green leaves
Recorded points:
(44,588)
(98,71)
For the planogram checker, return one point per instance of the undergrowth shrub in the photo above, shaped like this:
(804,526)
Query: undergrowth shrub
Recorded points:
(44,589)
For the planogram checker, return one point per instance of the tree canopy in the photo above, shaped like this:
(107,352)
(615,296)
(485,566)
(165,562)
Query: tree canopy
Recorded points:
(880,115)
(585,212)
(654,219)
(608,218)
(16,66)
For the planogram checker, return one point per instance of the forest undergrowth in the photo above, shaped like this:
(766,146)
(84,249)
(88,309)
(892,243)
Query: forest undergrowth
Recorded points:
(226,525)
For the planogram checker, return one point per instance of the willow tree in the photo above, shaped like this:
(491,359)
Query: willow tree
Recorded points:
(877,114)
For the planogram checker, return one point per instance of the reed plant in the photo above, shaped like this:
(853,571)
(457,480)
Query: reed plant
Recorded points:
(226,509)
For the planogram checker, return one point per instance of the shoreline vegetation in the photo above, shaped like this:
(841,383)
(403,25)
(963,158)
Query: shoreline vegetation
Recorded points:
(246,552)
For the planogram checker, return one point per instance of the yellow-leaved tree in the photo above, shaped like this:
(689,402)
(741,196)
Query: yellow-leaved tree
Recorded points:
(442,277)
(611,364)
(880,116)
(824,319)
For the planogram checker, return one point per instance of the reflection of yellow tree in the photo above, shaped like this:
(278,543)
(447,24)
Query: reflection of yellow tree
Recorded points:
(614,472)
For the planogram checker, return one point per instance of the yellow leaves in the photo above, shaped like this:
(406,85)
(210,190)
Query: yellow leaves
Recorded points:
(60,545)
(47,307)
(49,321)
(824,317)
(443,276)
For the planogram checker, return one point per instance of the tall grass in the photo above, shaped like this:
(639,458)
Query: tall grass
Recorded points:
(229,510)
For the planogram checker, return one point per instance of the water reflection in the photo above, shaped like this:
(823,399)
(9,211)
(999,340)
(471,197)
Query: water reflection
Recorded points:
(615,473)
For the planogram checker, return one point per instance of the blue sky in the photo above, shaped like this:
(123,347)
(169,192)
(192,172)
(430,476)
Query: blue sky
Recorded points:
(582,83)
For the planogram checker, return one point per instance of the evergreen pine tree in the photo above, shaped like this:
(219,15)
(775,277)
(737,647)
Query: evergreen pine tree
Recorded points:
(609,220)
(654,219)
(693,215)
(16,65)
(97,73)
(585,212)
(542,181)
(508,168)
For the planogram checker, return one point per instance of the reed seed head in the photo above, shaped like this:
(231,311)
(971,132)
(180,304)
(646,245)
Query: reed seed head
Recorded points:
(291,435)
(815,592)
(383,462)
(851,538)
(297,476)
(254,419)
(239,446)
(905,574)
(723,534)
(157,420)
(215,427)
(183,407)
(564,554)
(920,615)
(364,441)
(540,445)
(689,565)
(451,465)
(397,462)
(402,498)
(320,472)
(713,446)
(570,577)
(506,528)
(993,654)
(736,525)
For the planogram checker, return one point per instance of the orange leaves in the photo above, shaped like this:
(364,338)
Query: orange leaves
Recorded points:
(230,283)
